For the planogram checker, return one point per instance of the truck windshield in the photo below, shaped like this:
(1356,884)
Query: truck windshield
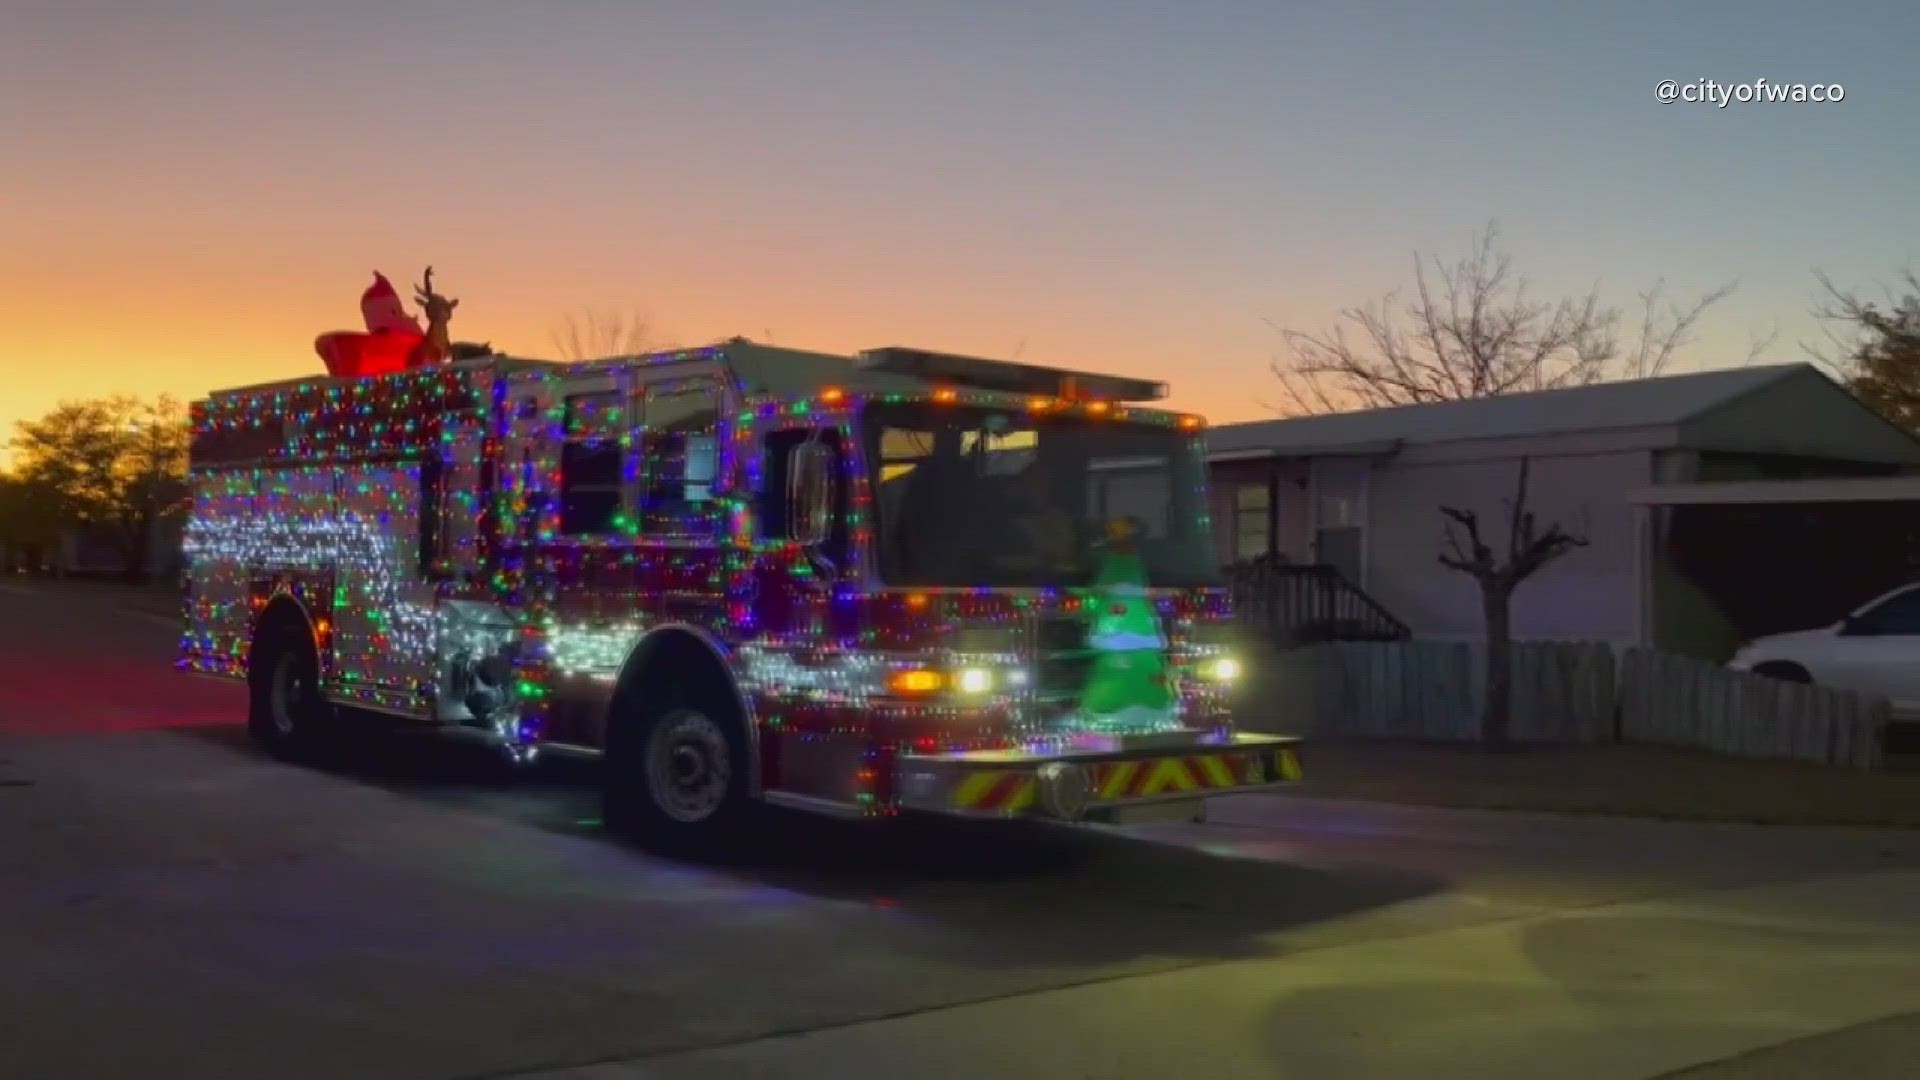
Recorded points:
(969,497)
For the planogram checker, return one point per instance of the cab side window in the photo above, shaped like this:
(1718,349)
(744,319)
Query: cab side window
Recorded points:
(679,460)
(590,465)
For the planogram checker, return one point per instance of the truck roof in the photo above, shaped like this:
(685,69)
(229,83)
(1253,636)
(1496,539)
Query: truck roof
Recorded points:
(768,370)
(779,372)
(497,361)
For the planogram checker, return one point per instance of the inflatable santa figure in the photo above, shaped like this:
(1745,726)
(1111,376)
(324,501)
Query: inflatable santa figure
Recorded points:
(390,342)
(380,305)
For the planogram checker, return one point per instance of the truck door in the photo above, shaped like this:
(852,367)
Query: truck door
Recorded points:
(383,640)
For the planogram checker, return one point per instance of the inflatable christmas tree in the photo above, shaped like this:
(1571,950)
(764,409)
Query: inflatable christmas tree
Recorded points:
(1128,687)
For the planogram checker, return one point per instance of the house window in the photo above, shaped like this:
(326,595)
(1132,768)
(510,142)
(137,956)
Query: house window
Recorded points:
(1252,521)
(680,460)
(590,465)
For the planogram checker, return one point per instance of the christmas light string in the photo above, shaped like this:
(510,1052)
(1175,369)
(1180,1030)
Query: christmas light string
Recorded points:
(888,669)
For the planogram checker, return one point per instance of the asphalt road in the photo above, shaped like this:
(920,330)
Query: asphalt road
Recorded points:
(174,905)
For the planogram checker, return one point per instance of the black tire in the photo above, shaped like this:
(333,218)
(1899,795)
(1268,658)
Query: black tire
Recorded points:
(286,713)
(676,773)
(1784,671)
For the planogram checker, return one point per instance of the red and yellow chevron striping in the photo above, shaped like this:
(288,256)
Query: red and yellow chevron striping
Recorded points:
(1012,791)
(996,791)
(1179,775)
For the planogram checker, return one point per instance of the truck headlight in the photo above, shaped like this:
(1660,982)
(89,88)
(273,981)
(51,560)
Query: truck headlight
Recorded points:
(973,680)
(1220,668)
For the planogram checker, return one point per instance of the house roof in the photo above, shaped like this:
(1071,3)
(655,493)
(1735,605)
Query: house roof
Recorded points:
(1666,400)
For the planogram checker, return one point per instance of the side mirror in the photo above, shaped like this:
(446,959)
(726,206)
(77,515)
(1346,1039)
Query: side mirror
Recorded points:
(1854,626)
(810,493)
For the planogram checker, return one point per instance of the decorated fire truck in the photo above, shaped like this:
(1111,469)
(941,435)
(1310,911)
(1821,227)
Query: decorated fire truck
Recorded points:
(740,575)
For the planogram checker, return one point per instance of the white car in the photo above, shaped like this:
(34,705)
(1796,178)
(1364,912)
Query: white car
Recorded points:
(1875,650)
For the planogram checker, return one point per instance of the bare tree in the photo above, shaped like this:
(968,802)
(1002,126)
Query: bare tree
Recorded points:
(1472,330)
(1529,548)
(592,335)
(1875,347)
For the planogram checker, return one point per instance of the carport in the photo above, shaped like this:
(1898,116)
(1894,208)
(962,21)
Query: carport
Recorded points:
(1728,562)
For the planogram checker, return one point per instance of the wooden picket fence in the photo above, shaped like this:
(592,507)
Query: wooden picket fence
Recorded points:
(1563,694)
(1668,700)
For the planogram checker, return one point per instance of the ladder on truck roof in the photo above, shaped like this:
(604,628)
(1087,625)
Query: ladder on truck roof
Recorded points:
(1009,376)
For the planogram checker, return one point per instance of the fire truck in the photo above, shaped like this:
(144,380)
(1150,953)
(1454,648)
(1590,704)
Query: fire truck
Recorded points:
(739,575)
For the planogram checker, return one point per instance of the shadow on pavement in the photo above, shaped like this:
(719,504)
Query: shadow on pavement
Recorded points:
(1047,893)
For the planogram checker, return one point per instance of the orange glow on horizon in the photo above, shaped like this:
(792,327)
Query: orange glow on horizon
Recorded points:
(192,196)
(187,340)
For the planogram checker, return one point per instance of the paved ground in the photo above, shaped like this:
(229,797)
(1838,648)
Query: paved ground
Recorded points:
(1633,781)
(171,904)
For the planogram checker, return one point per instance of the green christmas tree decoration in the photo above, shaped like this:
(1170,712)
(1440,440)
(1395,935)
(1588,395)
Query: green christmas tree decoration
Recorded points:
(1128,688)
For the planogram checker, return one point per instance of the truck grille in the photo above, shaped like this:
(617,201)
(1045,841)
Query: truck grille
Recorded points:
(1061,659)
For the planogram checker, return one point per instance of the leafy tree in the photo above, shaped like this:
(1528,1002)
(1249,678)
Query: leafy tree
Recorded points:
(29,524)
(116,464)
(1878,347)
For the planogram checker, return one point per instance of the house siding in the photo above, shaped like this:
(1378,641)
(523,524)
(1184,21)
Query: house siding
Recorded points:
(1293,521)
(1592,593)
(1339,504)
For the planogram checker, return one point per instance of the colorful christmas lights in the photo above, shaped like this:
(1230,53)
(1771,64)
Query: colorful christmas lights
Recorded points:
(474,561)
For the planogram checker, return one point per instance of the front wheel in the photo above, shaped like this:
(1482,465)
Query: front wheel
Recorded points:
(286,713)
(676,779)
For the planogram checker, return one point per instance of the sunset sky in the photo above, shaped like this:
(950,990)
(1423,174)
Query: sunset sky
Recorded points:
(187,200)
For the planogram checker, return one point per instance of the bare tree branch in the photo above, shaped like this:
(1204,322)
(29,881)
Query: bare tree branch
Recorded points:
(1468,555)
(1530,548)
(593,335)
(1662,332)
(1758,345)
(1472,330)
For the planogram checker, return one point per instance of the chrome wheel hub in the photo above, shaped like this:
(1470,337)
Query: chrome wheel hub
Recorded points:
(289,689)
(688,766)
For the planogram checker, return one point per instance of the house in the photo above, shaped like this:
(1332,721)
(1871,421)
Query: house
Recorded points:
(1642,469)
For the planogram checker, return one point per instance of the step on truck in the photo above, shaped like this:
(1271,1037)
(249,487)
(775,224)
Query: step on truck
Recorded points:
(901,581)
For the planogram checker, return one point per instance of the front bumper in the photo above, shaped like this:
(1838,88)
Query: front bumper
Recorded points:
(1073,785)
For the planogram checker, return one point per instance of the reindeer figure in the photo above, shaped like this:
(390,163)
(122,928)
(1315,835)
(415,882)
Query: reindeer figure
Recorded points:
(436,347)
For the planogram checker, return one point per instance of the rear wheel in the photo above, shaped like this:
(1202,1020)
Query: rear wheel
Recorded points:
(286,713)
(676,774)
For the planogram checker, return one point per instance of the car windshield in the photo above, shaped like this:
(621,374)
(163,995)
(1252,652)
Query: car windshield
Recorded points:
(969,496)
